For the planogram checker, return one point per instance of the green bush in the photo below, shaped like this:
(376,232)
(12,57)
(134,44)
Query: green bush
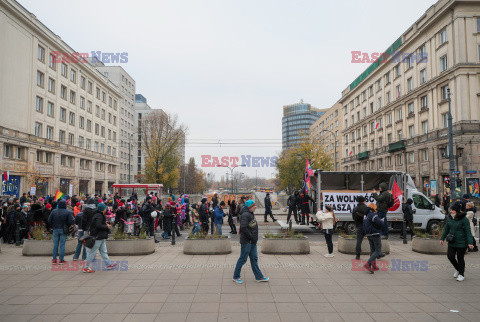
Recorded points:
(201,235)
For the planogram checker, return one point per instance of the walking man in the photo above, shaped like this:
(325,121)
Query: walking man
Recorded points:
(384,201)
(292,204)
(248,242)
(268,208)
(358,213)
(58,219)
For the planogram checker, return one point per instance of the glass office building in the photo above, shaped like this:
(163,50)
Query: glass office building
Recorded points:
(296,121)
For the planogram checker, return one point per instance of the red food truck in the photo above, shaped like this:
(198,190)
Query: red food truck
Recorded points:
(142,190)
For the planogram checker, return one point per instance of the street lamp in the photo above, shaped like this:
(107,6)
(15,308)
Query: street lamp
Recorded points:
(450,149)
(231,170)
(129,156)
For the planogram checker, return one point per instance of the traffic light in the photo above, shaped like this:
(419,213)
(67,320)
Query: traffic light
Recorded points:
(459,182)
(447,183)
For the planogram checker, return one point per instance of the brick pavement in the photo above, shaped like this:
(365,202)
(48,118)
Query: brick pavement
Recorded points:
(171,286)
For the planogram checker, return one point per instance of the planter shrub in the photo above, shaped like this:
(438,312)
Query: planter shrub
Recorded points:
(130,247)
(429,246)
(211,245)
(286,246)
(347,245)
(34,247)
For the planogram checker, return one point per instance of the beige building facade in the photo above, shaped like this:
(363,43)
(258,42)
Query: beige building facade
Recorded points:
(396,114)
(327,130)
(60,120)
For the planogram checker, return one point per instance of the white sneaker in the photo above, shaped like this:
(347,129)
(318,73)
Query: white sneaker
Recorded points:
(328,255)
(460,278)
(455,275)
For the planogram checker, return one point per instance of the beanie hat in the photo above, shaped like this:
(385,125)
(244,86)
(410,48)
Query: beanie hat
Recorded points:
(90,201)
(148,198)
(361,199)
(78,204)
(48,206)
(222,203)
(458,207)
(101,207)
(249,203)
(204,200)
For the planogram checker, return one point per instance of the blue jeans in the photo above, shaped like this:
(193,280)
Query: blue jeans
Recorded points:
(375,247)
(219,228)
(100,245)
(383,215)
(59,239)
(248,250)
(196,228)
(79,247)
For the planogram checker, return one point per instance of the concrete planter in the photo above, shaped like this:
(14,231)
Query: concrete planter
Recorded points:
(347,246)
(32,247)
(130,247)
(429,246)
(286,246)
(218,246)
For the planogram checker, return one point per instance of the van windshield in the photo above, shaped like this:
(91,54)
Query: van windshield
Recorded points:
(421,202)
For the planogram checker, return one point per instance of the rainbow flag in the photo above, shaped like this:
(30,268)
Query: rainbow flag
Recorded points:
(308,168)
(59,195)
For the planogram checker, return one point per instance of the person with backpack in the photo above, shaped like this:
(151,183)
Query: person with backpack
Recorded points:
(358,213)
(60,220)
(99,230)
(372,225)
(408,212)
(384,201)
(458,234)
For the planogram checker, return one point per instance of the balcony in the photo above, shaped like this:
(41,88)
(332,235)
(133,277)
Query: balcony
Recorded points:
(363,155)
(396,146)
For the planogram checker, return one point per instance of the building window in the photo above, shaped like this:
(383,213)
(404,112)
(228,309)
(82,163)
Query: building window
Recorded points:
(425,155)
(103,114)
(411,109)
(81,122)
(72,97)
(39,104)
(8,151)
(399,114)
(104,97)
(423,52)
(444,92)
(370,91)
(400,134)
(387,78)
(63,114)
(410,61)
(61,136)
(51,85)
(82,82)
(102,131)
(424,127)
(410,84)
(89,107)
(102,148)
(71,139)
(97,129)
(73,75)
(82,102)
(38,129)
(411,131)
(51,61)
(90,87)
(379,103)
(40,78)
(443,63)
(41,54)
(97,111)
(89,126)
(443,36)
(400,159)
(63,92)
(445,120)
(389,161)
(379,84)
(387,98)
(64,70)
(389,118)
(398,91)
(97,93)
(371,108)
(423,76)
(49,132)
(397,71)
(88,144)
(424,102)
(411,157)
(80,142)
(71,118)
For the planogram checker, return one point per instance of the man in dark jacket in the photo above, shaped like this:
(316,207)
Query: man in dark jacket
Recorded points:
(240,206)
(304,202)
(248,242)
(268,208)
(358,213)
(99,229)
(382,205)
(59,218)
(148,221)
(88,212)
(292,204)
(167,221)
(372,225)
(408,212)
(204,215)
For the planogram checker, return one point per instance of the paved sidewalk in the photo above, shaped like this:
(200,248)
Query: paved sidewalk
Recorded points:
(171,286)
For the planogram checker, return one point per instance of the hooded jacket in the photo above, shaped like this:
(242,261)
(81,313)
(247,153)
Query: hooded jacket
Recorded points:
(382,198)
(60,216)
(372,224)
(460,228)
(358,213)
(248,227)
(87,217)
(99,228)
(218,215)
(407,210)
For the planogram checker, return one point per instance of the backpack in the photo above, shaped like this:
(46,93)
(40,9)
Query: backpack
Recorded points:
(390,201)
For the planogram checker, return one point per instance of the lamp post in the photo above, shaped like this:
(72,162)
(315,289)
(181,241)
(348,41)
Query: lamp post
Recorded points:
(450,150)
(231,170)
(129,156)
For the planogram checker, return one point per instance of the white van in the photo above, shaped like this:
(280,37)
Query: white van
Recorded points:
(342,189)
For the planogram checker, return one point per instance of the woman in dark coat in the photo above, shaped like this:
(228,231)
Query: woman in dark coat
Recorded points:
(459,236)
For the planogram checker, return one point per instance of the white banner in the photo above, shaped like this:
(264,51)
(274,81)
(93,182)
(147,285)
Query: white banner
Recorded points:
(344,202)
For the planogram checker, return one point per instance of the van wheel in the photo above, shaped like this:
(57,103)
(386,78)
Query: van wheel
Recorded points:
(350,228)
(433,226)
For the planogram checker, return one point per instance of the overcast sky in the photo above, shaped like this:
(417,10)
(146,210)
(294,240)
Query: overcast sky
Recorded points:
(227,67)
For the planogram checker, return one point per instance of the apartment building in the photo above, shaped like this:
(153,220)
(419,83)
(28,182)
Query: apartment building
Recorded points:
(396,112)
(296,121)
(59,124)
(127,126)
(327,131)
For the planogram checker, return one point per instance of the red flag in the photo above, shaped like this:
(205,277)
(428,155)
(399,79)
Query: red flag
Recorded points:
(351,152)
(397,197)
(308,168)
(377,125)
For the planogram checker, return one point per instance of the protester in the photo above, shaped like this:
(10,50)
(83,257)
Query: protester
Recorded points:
(372,225)
(446,202)
(327,219)
(458,234)
(231,212)
(146,213)
(195,218)
(305,207)
(59,218)
(78,250)
(408,212)
(99,230)
(240,206)
(167,221)
(292,203)
(218,215)
(248,243)
(383,199)
(472,229)
(268,207)
(203,213)
(358,213)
